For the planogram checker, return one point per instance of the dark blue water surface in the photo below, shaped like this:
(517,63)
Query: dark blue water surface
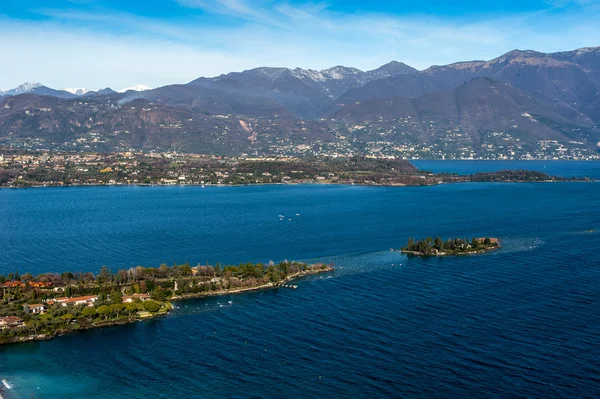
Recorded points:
(522,322)
(553,168)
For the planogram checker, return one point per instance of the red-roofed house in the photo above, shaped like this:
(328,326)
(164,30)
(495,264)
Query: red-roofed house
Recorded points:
(10,322)
(80,300)
(38,308)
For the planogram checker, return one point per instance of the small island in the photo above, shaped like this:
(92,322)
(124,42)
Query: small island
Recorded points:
(454,246)
(50,305)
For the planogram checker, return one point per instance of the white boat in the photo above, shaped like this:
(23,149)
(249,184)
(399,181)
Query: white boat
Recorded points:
(7,384)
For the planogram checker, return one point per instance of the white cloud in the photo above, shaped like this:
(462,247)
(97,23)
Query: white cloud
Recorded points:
(117,49)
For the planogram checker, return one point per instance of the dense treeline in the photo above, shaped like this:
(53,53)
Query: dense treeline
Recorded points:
(512,175)
(453,246)
(88,283)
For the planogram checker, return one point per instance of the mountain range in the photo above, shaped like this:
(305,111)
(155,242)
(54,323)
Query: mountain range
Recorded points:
(528,95)
(67,92)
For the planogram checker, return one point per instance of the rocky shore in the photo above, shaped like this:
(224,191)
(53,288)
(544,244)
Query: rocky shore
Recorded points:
(232,291)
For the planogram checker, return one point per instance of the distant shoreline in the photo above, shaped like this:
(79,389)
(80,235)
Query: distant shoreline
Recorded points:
(567,180)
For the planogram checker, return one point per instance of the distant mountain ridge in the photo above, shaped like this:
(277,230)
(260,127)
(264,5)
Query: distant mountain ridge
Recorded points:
(67,92)
(525,96)
(135,88)
(36,88)
(570,80)
(277,92)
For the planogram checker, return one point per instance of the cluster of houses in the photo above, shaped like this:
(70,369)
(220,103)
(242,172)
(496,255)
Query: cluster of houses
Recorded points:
(40,308)
(90,300)
(20,284)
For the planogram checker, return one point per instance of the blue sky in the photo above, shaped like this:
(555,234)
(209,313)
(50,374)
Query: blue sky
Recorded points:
(119,43)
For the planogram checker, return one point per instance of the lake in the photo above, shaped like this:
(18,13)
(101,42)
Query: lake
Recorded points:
(523,321)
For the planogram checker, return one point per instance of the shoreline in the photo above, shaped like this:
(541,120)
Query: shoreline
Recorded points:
(235,291)
(451,247)
(443,254)
(60,333)
(315,183)
(149,316)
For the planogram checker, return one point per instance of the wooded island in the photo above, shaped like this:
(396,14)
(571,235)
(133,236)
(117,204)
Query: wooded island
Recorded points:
(55,304)
(454,246)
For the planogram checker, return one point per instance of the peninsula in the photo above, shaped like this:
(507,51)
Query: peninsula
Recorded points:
(52,304)
(454,246)
(21,169)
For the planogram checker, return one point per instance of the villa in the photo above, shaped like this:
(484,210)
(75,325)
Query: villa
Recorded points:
(10,322)
(81,300)
(38,308)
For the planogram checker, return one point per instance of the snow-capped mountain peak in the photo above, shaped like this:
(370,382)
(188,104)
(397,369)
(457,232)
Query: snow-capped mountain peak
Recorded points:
(136,88)
(23,88)
(78,91)
(340,72)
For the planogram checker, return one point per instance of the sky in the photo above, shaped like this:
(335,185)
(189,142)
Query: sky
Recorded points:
(120,43)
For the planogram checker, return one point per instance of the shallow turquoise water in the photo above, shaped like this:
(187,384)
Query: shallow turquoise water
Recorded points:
(520,322)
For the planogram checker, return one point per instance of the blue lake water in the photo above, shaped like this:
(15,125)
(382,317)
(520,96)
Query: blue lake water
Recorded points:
(589,169)
(520,322)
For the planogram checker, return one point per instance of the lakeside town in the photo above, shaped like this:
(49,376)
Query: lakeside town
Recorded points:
(20,168)
(51,304)
(226,134)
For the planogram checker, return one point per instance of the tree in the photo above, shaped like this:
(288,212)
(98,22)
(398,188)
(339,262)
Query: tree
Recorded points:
(103,311)
(105,276)
(67,277)
(116,309)
(89,313)
(35,325)
(150,285)
(151,306)
(160,294)
(87,277)
(131,308)
(116,297)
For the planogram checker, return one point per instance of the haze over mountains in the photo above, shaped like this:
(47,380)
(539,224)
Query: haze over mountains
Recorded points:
(526,95)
